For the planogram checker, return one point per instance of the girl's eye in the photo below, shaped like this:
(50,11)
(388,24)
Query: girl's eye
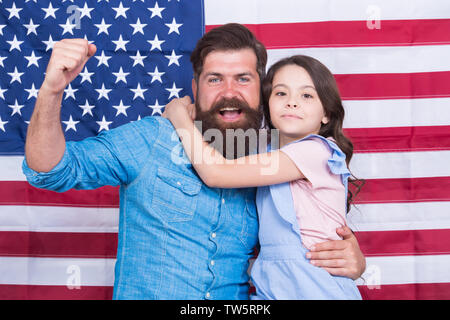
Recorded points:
(307,96)
(280,93)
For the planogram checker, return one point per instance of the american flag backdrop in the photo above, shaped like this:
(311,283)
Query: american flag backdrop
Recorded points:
(390,59)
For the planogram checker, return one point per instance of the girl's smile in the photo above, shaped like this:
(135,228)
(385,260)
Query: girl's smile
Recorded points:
(291,116)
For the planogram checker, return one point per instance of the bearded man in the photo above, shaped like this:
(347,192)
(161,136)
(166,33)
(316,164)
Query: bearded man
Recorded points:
(178,238)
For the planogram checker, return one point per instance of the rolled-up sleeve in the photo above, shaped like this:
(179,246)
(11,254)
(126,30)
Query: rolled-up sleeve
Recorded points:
(113,158)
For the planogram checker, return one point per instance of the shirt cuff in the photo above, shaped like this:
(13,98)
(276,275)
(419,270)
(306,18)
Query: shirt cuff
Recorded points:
(40,178)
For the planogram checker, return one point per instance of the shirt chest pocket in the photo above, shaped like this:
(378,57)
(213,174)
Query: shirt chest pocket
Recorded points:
(174,196)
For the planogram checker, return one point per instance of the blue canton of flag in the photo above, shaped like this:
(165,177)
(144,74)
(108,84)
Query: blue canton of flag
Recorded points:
(141,63)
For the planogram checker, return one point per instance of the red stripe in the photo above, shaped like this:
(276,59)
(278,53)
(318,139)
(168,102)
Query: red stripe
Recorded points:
(403,190)
(103,245)
(394,139)
(414,291)
(404,242)
(58,244)
(21,192)
(373,191)
(394,85)
(351,33)
(40,292)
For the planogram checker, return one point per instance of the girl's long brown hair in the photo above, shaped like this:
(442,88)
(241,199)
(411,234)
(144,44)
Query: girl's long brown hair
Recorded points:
(328,92)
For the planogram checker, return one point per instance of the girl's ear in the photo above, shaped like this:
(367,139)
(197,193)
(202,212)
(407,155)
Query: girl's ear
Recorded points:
(325,120)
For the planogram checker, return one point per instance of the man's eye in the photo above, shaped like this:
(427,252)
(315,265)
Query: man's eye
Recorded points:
(213,80)
(244,79)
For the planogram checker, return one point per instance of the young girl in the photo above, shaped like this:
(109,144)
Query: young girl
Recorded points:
(305,199)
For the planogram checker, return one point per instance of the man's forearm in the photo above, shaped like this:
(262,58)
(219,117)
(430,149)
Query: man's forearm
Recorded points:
(45,142)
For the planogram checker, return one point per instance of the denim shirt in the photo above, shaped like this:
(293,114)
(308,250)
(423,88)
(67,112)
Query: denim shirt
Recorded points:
(178,238)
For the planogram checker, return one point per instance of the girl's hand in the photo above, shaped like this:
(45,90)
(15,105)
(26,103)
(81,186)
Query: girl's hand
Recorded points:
(179,109)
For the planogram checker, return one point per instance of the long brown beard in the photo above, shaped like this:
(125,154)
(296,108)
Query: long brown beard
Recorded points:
(235,142)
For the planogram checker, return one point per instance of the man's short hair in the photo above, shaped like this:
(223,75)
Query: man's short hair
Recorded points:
(231,36)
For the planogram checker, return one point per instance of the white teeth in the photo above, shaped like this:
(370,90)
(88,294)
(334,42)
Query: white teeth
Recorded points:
(229,109)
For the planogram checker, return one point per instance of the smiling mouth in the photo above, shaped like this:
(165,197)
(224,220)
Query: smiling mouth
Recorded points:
(291,116)
(230,114)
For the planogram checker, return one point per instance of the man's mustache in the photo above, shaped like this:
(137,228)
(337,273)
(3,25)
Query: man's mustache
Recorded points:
(231,103)
(251,119)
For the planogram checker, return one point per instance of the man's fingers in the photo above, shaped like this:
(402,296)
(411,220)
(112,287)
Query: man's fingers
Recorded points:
(76,45)
(339,254)
(332,263)
(80,47)
(342,272)
(92,49)
(345,232)
(324,255)
(337,267)
(329,245)
(66,61)
(70,55)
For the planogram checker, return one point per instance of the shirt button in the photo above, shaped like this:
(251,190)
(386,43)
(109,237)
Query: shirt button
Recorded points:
(212,262)
(223,200)
(213,235)
(179,183)
(207,295)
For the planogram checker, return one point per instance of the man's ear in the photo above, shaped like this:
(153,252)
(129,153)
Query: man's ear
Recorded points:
(194,88)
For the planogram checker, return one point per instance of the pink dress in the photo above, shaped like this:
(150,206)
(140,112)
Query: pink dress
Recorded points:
(320,199)
(281,270)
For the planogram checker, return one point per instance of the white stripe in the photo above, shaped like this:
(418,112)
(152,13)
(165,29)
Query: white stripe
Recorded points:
(406,270)
(401,165)
(100,272)
(399,216)
(378,165)
(362,217)
(11,168)
(362,60)
(58,219)
(396,113)
(57,271)
(285,11)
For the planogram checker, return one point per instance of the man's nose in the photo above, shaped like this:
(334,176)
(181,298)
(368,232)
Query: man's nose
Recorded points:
(229,89)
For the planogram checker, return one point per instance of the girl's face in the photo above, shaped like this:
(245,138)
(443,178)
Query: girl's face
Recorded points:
(295,107)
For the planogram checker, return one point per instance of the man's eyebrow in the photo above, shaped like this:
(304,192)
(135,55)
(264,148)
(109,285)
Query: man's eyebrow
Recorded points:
(212,73)
(216,74)
(245,74)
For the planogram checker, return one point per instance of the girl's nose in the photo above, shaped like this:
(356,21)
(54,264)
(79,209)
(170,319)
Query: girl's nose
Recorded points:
(292,104)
